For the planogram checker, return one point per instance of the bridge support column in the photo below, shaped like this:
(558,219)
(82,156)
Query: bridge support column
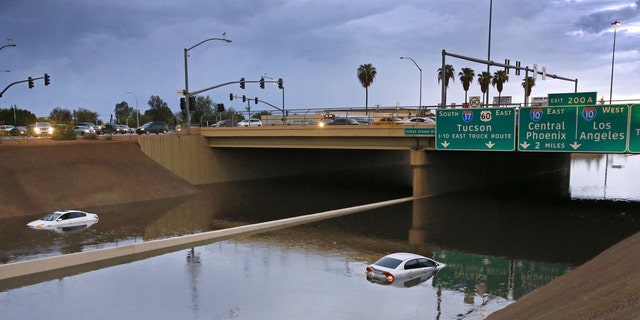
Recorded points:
(419,161)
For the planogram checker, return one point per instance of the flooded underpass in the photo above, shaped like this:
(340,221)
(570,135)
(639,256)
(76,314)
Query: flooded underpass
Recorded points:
(498,244)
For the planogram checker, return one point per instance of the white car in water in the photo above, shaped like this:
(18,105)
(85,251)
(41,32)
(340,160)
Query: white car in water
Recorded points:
(402,266)
(65,220)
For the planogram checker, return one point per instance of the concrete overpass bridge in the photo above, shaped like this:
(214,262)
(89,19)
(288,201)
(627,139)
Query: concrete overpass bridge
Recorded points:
(402,155)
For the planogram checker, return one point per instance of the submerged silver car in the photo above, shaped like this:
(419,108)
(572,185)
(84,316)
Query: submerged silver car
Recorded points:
(402,266)
(64,220)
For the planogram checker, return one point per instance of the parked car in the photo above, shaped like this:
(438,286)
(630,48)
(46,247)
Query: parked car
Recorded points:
(19,131)
(82,130)
(250,123)
(419,120)
(96,128)
(124,129)
(42,129)
(64,219)
(387,120)
(6,128)
(111,128)
(156,127)
(343,121)
(401,265)
(225,123)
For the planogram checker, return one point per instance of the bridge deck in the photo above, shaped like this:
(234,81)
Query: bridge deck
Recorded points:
(328,137)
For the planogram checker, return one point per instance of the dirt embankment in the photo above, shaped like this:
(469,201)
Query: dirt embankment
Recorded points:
(607,287)
(41,175)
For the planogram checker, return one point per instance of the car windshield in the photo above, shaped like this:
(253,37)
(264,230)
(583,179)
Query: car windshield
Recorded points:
(51,216)
(387,262)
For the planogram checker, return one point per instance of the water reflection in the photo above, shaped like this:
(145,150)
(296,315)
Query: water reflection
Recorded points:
(605,177)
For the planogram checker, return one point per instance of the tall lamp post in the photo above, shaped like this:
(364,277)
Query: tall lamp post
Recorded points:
(186,78)
(8,45)
(414,62)
(615,24)
(137,110)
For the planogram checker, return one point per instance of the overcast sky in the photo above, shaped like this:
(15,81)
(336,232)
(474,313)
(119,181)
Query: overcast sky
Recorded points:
(97,51)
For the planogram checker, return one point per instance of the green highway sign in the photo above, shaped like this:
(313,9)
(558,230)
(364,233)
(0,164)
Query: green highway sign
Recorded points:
(487,129)
(634,129)
(571,99)
(419,131)
(574,128)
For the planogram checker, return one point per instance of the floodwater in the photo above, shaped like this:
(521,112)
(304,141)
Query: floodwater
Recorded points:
(498,245)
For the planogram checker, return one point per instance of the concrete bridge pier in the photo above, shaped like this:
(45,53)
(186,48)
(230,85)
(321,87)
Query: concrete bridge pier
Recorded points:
(419,162)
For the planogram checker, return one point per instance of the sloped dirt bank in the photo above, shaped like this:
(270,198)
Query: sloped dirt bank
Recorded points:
(41,175)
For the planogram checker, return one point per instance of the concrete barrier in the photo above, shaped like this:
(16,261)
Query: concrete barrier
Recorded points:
(28,272)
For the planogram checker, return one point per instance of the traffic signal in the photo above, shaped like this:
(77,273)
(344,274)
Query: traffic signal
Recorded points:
(47,80)
(241,83)
(30,83)
(192,103)
(280,86)
(231,96)
(256,100)
(262,83)
(183,104)
(244,98)
(220,107)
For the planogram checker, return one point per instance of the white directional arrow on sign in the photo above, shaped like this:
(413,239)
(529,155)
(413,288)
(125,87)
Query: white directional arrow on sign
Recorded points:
(575,145)
(445,144)
(490,144)
(524,145)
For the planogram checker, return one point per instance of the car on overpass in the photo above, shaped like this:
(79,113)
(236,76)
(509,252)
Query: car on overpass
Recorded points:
(250,123)
(419,121)
(387,120)
(156,127)
(343,121)
(225,123)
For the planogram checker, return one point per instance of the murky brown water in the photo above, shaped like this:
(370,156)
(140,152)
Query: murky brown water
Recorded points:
(498,246)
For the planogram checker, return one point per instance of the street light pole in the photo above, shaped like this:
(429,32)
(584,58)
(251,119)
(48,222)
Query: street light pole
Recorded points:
(8,45)
(137,110)
(615,24)
(414,62)
(186,78)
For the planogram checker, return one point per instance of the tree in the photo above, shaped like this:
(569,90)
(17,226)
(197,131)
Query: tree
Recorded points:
(16,116)
(122,112)
(159,110)
(466,77)
(528,83)
(499,78)
(60,115)
(366,74)
(86,115)
(445,76)
(202,107)
(484,80)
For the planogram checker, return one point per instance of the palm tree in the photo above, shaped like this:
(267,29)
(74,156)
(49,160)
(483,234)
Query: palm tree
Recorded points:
(366,74)
(445,76)
(528,83)
(499,78)
(484,80)
(466,77)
